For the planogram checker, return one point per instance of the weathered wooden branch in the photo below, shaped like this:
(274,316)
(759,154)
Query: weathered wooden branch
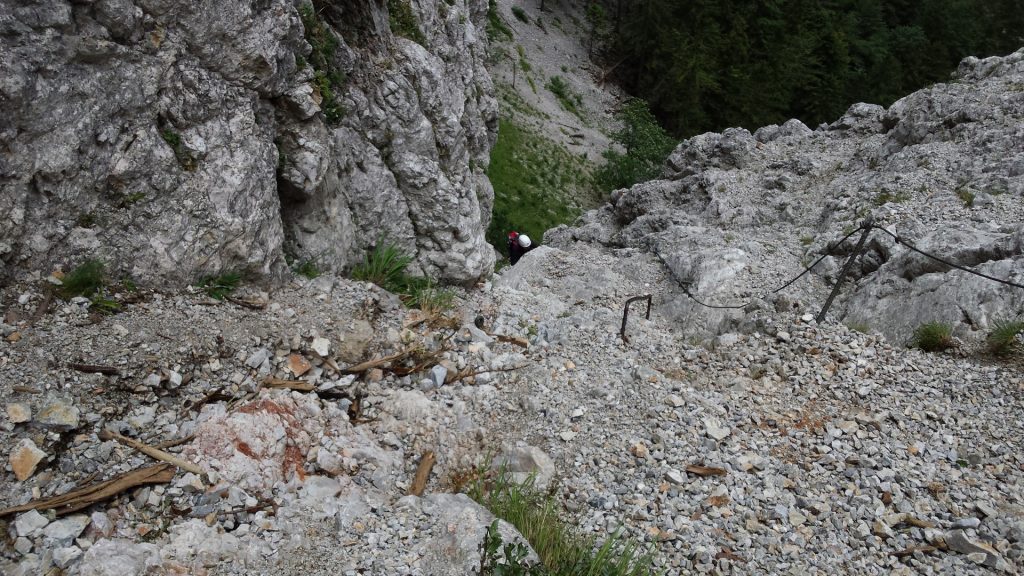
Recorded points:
(419,481)
(705,470)
(95,369)
(151,451)
(299,385)
(84,497)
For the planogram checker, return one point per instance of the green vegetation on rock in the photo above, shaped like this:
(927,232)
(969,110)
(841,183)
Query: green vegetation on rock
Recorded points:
(562,550)
(327,78)
(403,21)
(933,337)
(646,145)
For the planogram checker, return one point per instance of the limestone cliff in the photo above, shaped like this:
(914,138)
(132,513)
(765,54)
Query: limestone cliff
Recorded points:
(180,138)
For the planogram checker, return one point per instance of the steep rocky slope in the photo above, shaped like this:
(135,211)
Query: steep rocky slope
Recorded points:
(780,445)
(175,139)
(738,214)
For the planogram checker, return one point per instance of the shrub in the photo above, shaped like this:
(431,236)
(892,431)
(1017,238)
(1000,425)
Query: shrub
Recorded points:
(1002,340)
(520,14)
(933,337)
(646,144)
(561,549)
(220,287)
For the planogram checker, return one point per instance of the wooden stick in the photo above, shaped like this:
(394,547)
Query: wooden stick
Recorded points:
(705,470)
(521,342)
(173,443)
(456,376)
(299,385)
(84,497)
(419,481)
(151,451)
(95,369)
(369,364)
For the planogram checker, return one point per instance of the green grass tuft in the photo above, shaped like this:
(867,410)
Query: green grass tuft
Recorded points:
(520,14)
(327,79)
(220,287)
(87,280)
(562,550)
(185,158)
(1002,340)
(885,197)
(496,27)
(307,268)
(384,266)
(965,196)
(569,100)
(403,21)
(933,337)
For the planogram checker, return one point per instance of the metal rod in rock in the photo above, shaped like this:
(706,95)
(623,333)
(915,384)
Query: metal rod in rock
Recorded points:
(866,227)
(625,314)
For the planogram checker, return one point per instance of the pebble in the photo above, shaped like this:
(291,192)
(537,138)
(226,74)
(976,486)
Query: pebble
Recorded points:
(714,429)
(321,346)
(29,522)
(24,458)
(967,523)
(18,412)
(58,414)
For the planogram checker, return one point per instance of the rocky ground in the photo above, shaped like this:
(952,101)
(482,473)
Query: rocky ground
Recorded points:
(733,442)
(834,450)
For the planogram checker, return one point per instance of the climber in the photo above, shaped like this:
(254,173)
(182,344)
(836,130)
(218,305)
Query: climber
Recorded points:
(518,244)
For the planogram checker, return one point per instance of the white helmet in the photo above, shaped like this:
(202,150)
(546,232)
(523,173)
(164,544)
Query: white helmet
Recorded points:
(524,241)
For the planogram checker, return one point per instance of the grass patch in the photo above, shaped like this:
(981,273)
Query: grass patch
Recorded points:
(933,337)
(562,550)
(520,14)
(89,280)
(403,22)
(538,184)
(965,196)
(496,27)
(220,287)
(1002,340)
(386,266)
(569,100)
(307,268)
(885,197)
(327,79)
(173,139)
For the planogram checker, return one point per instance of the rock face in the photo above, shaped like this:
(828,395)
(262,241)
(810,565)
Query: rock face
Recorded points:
(180,138)
(736,215)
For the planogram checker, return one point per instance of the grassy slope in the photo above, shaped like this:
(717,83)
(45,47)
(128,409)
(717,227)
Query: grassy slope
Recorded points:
(538,184)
